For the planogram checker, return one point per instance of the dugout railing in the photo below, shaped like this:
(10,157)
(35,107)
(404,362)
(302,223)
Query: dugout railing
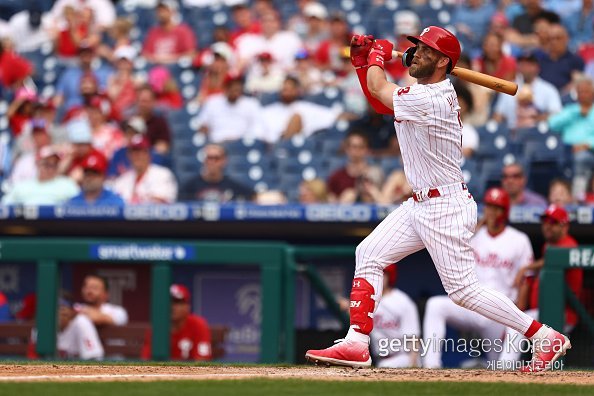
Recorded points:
(554,293)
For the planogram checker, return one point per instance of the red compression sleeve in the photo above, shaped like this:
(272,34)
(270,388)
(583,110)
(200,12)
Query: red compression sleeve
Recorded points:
(375,103)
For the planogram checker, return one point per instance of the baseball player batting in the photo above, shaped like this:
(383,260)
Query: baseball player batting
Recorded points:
(441,216)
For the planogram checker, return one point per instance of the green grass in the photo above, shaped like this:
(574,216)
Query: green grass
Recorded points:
(267,387)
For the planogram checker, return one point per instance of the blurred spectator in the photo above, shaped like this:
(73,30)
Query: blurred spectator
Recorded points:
(560,193)
(230,116)
(96,305)
(217,68)
(166,90)
(353,99)
(471,20)
(21,110)
(190,335)
(579,24)
(77,336)
(28,307)
(316,32)
(330,50)
(94,169)
(527,114)
(69,86)
(558,65)
(481,96)
(524,26)
(396,318)
(313,191)
(513,181)
(244,20)
(290,116)
(13,68)
(263,7)
(168,41)
(4,309)
(28,29)
(24,167)
(157,127)
(107,137)
(545,96)
(576,125)
(470,137)
(79,28)
(104,11)
(310,77)
(120,162)
(395,189)
(121,88)
(406,23)
(81,140)
(49,188)
(383,141)
(146,182)
(352,182)
(589,198)
(555,230)
(282,44)
(493,61)
(264,76)
(211,184)
(118,35)
(271,197)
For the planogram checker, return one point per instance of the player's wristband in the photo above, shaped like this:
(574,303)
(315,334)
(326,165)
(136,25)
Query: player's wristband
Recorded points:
(375,58)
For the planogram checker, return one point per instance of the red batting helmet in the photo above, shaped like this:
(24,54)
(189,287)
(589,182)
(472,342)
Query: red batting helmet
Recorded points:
(391,272)
(498,197)
(441,40)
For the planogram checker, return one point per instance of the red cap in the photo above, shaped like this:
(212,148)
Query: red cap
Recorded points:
(179,292)
(557,213)
(96,162)
(139,142)
(265,56)
(391,272)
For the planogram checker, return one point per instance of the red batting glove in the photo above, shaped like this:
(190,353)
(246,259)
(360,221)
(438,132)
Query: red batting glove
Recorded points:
(381,52)
(360,46)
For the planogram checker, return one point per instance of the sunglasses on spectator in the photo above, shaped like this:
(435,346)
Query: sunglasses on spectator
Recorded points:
(214,157)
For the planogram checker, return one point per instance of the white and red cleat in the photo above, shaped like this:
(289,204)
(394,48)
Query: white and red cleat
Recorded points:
(549,345)
(344,353)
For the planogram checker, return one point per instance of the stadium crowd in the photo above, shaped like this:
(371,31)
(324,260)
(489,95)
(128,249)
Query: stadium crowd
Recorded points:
(146,101)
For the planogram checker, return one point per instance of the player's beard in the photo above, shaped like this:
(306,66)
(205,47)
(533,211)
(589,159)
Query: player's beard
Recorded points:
(417,70)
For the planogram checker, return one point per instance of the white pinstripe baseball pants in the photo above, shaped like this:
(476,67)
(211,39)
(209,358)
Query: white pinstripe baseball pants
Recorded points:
(443,225)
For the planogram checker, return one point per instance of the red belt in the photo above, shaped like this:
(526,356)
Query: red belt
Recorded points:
(432,193)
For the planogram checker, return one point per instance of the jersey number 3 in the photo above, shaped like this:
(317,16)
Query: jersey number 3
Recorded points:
(403,90)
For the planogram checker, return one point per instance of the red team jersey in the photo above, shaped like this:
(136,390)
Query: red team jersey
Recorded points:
(191,342)
(573,279)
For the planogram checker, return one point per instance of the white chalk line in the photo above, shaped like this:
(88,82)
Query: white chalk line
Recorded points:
(59,377)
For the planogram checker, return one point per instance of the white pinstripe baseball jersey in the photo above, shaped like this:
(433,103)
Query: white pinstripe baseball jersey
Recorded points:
(429,130)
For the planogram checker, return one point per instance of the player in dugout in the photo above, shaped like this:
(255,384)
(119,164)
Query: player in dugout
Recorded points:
(555,230)
(190,334)
(441,215)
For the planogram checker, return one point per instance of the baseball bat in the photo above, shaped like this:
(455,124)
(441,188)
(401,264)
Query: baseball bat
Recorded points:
(485,80)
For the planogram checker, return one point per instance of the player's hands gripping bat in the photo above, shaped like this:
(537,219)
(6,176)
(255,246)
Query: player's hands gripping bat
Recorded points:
(360,47)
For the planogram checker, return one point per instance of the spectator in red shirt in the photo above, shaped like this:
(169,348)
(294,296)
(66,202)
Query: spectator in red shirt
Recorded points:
(120,85)
(190,335)
(169,41)
(555,230)
(80,137)
(79,27)
(328,54)
(493,61)
(166,89)
(13,69)
(244,20)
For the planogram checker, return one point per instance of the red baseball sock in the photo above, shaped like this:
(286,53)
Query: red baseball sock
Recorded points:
(534,327)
